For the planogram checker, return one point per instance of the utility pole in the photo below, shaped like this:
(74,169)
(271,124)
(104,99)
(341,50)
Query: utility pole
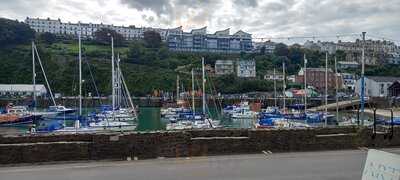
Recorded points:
(362,79)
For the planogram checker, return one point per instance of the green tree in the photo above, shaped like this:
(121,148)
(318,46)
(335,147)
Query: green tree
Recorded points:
(152,39)
(14,32)
(281,49)
(136,52)
(47,38)
(104,35)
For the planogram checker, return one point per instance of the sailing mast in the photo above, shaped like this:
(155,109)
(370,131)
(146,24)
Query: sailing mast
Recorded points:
(33,77)
(337,87)
(80,83)
(284,87)
(362,80)
(113,77)
(204,85)
(193,105)
(118,74)
(305,83)
(80,76)
(275,100)
(204,92)
(326,88)
(177,88)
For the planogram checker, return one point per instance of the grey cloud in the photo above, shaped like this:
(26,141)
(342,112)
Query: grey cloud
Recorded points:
(22,8)
(278,17)
(157,6)
(246,3)
(170,11)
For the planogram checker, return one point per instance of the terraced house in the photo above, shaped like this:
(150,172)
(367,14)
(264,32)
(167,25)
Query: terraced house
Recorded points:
(198,40)
(87,30)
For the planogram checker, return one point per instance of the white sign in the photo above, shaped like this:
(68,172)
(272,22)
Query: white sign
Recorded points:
(381,165)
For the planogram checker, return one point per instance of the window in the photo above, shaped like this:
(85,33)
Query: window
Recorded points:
(382,91)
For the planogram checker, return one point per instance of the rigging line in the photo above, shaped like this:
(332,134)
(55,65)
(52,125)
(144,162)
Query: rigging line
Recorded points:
(75,79)
(128,93)
(215,103)
(93,80)
(197,83)
(213,89)
(124,102)
(45,77)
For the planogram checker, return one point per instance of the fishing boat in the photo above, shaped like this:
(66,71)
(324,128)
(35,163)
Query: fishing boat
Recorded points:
(17,115)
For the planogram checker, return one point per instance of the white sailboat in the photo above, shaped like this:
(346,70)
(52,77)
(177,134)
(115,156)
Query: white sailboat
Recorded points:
(118,116)
(55,109)
(204,121)
(111,120)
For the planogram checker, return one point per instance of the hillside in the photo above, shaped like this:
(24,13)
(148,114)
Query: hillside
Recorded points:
(147,64)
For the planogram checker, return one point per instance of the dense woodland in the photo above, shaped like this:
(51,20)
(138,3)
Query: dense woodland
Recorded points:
(147,64)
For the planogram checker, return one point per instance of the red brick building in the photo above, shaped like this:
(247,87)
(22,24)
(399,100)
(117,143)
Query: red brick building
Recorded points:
(316,78)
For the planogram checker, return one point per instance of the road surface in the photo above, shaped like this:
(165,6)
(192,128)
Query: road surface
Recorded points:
(331,165)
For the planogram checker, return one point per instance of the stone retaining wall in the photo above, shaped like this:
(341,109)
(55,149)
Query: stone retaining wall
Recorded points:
(139,145)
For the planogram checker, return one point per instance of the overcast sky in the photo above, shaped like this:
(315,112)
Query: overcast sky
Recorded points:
(262,18)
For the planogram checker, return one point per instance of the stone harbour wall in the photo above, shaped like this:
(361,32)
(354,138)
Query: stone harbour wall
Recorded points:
(146,145)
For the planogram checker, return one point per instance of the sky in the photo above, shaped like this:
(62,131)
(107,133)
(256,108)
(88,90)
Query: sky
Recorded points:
(264,19)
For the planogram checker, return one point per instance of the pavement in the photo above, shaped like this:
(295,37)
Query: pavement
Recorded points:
(330,165)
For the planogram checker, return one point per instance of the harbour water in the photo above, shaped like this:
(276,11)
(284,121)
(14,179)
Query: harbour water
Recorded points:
(149,120)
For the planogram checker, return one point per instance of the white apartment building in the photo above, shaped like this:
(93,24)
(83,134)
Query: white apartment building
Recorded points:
(268,45)
(223,67)
(87,30)
(246,68)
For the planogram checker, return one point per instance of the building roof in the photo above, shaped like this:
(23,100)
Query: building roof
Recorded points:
(22,88)
(222,32)
(395,84)
(202,30)
(241,33)
(383,78)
